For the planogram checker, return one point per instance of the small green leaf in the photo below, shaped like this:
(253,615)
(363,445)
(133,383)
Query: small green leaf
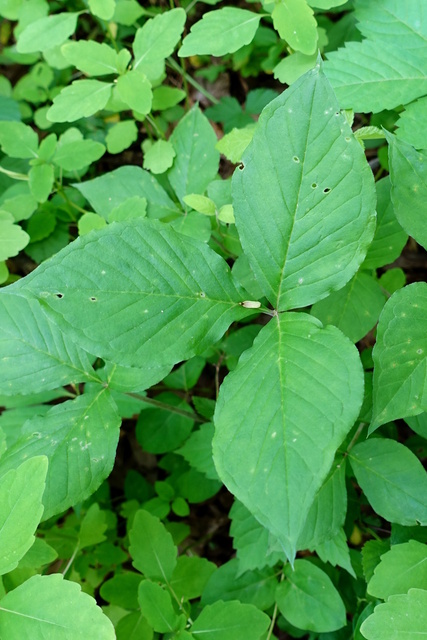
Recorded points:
(293,67)
(131,208)
(411,125)
(234,143)
(90,221)
(156,606)
(74,153)
(20,510)
(49,606)
(40,179)
(151,547)
(93,58)
(393,480)
(309,600)
(46,33)
(400,356)
(402,617)
(121,136)
(92,527)
(190,576)
(401,568)
(231,620)
(166,97)
(18,140)
(103,9)
(12,237)
(226,214)
(159,157)
(295,22)
(156,40)
(220,32)
(122,590)
(202,204)
(197,450)
(135,91)
(81,99)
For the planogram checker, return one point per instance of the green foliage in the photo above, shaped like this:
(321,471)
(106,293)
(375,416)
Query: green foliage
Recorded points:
(183,328)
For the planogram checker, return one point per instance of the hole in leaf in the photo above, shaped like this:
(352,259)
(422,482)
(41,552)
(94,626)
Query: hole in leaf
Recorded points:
(295,159)
(59,296)
(326,190)
(93,299)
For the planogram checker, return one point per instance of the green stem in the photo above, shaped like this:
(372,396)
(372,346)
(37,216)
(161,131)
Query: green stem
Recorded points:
(13,174)
(355,438)
(70,561)
(274,616)
(167,407)
(152,122)
(174,65)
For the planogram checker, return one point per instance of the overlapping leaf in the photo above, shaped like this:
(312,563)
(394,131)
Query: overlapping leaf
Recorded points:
(280,417)
(139,291)
(304,201)
(402,616)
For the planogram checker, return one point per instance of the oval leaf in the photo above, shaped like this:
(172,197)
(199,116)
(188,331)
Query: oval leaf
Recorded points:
(81,99)
(151,547)
(304,227)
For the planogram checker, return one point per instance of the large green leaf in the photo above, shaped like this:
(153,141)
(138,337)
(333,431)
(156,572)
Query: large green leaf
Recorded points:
(80,99)
(278,422)
(401,568)
(400,356)
(231,620)
(308,599)
(139,291)
(408,176)
(47,32)
(402,617)
(197,160)
(20,510)
(34,354)
(401,24)
(412,124)
(109,191)
(372,76)
(156,40)
(305,200)
(49,607)
(220,32)
(79,438)
(393,480)
(151,547)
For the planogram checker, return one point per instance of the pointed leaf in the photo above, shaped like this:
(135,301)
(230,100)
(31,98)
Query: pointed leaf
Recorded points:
(34,354)
(81,99)
(393,480)
(277,408)
(51,607)
(148,293)
(401,568)
(220,32)
(157,38)
(156,607)
(400,356)
(291,210)
(103,9)
(402,617)
(231,620)
(20,510)
(408,176)
(151,547)
(308,599)
(79,438)
(46,33)
(197,160)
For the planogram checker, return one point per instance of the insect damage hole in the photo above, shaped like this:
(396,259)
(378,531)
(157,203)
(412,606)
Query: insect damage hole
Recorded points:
(326,190)
(59,295)
(93,299)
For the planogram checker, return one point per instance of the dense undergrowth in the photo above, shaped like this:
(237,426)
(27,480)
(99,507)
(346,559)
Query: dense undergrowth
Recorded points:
(213,320)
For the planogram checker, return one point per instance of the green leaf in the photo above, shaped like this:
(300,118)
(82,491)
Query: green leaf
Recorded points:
(21,510)
(156,40)
(234,143)
(129,209)
(40,179)
(401,568)
(51,607)
(393,480)
(291,210)
(159,157)
(231,620)
(151,547)
(202,204)
(103,9)
(220,32)
(389,238)
(135,90)
(156,605)
(12,237)
(39,554)
(134,626)
(371,553)
(190,576)
(159,430)
(355,308)
(81,99)
(46,33)
(93,58)
(408,176)
(402,617)
(252,587)
(90,221)
(34,354)
(79,438)
(268,406)
(92,527)
(121,136)
(122,590)
(293,67)
(147,293)
(197,160)
(308,599)
(18,140)
(295,22)
(373,76)
(110,190)
(411,125)
(166,97)
(390,22)
(418,424)
(197,450)
(400,388)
